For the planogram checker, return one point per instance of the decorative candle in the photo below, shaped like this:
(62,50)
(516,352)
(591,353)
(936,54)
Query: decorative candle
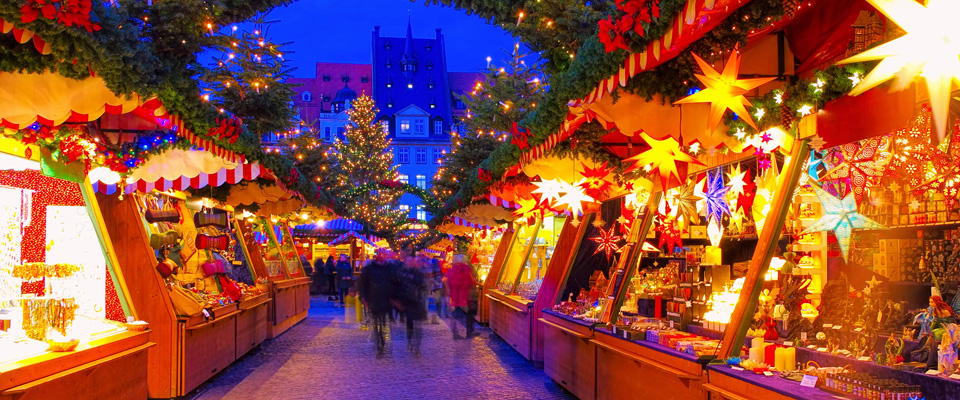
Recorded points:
(769,351)
(712,256)
(757,342)
(790,359)
(756,354)
(780,358)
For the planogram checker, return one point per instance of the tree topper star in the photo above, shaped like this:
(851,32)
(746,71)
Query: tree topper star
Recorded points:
(930,49)
(724,91)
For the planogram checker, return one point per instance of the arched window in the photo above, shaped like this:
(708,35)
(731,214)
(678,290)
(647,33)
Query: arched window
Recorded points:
(306,96)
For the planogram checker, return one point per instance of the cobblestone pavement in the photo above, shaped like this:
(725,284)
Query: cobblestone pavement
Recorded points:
(327,356)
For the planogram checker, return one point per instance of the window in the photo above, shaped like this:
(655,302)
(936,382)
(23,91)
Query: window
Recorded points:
(388,65)
(418,127)
(364,79)
(386,126)
(437,155)
(410,85)
(389,84)
(390,104)
(405,208)
(403,157)
(404,178)
(340,131)
(421,156)
(437,127)
(326,133)
(458,103)
(326,77)
(428,47)
(429,65)
(433,104)
(430,85)
(306,96)
(404,126)
(410,67)
(422,179)
(421,213)
(386,44)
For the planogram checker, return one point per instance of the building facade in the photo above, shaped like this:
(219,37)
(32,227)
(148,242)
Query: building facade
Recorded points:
(417,98)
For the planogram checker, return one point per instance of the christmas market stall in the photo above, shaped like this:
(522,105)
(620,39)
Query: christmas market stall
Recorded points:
(68,327)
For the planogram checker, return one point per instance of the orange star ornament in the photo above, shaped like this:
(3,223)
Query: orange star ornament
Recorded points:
(666,158)
(724,91)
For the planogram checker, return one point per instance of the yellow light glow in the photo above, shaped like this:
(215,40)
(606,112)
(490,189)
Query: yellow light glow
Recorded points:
(930,49)
(724,302)
(724,91)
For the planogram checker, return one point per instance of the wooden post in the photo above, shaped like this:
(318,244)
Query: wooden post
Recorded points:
(628,257)
(736,330)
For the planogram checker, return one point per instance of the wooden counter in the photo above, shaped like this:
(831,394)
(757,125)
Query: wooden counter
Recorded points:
(291,301)
(728,384)
(511,317)
(666,374)
(114,367)
(252,323)
(570,356)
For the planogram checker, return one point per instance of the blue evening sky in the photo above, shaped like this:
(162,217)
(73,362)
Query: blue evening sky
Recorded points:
(341,31)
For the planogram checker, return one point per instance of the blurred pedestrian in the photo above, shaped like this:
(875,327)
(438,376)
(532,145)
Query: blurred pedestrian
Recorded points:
(435,281)
(344,277)
(375,289)
(318,278)
(461,281)
(330,269)
(409,298)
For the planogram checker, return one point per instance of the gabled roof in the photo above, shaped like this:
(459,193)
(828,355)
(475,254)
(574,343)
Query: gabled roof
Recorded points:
(413,110)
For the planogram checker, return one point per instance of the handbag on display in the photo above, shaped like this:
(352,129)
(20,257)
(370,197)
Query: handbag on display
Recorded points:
(210,217)
(207,242)
(185,302)
(166,267)
(212,266)
(229,288)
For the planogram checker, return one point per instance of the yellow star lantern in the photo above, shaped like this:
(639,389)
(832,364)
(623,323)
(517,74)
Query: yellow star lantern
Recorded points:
(724,91)
(666,158)
(549,190)
(573,197)
(738,179)
(930,49)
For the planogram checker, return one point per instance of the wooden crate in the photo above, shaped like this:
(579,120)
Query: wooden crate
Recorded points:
(510,318)
(569,356)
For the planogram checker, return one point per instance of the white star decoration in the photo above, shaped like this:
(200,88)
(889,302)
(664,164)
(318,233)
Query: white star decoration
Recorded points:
(841,217)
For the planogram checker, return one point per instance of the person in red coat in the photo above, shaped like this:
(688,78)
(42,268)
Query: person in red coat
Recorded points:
(461,281)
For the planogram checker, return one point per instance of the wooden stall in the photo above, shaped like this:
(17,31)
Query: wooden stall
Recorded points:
(503,249)
(58,258)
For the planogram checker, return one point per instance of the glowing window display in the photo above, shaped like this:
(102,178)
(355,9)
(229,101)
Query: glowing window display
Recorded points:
(528,259)
(56,291)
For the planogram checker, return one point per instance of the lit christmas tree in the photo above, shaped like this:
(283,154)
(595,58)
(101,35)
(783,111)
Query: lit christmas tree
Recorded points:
(506,95)
(366,174)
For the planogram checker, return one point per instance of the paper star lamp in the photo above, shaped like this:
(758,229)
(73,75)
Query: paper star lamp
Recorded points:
(717,205)
(666,158)
(573,197)
(930,49)
(946,182)
(530,209)
(608,242)
(863,165)
(724,91)
(714,232)
(814,164)
(685,202)
(738,179)
(916,153)
(549,190)
(669,234)
(841,217)
(596,181)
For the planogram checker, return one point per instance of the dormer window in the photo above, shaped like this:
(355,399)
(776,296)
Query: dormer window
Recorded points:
(364,79)
(386,45)
(388,64)
(389,84)
(410,67)
(326,78)
(345,78)
(428,47)
(430,85)
(430,65)
(306,97)
(326,97)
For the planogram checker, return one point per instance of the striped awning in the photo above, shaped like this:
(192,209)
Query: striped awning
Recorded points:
(342,224)
(231,176)
(370,240)
(463,222)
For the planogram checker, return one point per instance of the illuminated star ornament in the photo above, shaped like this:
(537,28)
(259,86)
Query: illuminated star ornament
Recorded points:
(669,234)
(685,200)
(573,197)
(549,190)
(724,91)
(596,181)
(666,158)
(930,49)
(717,205)
(738,179)
(607,242)
(862,165)
(841,217)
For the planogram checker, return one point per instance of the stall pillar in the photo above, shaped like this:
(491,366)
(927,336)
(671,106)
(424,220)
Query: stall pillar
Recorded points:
(736,330)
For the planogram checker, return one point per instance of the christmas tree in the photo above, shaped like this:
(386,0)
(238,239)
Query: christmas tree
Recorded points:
(249,80)
(365,173)
(313,158)
(506,95)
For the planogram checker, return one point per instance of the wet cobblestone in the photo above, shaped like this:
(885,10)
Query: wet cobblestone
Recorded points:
(328,356)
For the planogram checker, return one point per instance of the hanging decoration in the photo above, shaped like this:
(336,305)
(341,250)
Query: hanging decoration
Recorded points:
(714,232)
(666,158)
(65,12)
(669,234)
(841,217)
(724,91)
(930,49)
(916,153)
(635,14)
(608,242)
(573,198)
(737,179)
(717,205)
(863,165)
(549,190)
(685,201)
(626,219)
(227,129)
(813,165)
(596,181)
(520,137)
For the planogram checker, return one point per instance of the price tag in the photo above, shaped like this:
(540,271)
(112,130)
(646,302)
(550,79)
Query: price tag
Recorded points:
(768,373)
(827,326)
(803,336)
(955,376)
(788,343)
(237,262)
(932,372)
(809,381)
(822,349)
(858,330)
(812,346)
(737,369)
(837,328)
(864,358)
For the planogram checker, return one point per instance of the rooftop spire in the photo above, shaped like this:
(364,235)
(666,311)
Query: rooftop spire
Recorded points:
(408,44)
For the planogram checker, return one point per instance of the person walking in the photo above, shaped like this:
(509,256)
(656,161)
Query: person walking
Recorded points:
(317,279)
(461,281)
(330,269)
(434,278)
(409,298)
(344,277)
(375,288)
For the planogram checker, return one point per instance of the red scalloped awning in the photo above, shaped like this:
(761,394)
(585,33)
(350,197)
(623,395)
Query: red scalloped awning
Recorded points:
(231,176)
